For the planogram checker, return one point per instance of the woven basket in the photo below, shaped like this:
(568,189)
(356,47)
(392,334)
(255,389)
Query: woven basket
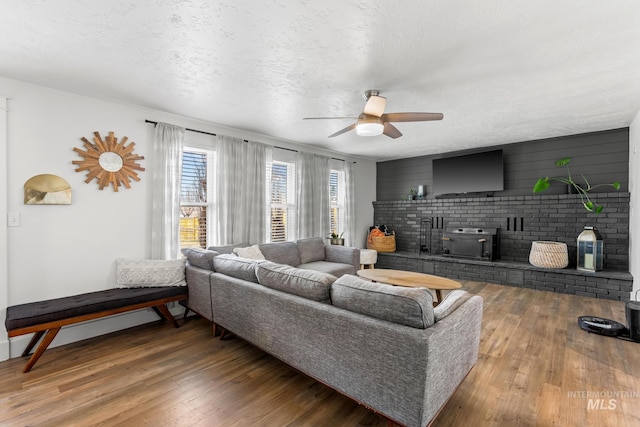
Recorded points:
(382,243)
(549,254)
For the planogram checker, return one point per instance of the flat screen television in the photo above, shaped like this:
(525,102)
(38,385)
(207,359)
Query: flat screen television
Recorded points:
(471,173)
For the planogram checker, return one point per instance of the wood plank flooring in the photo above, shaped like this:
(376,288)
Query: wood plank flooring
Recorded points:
(536,368)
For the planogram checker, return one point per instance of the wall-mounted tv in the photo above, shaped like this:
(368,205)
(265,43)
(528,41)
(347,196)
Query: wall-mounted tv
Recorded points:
(471,173)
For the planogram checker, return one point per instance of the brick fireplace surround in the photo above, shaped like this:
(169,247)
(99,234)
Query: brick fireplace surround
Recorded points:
(522,219)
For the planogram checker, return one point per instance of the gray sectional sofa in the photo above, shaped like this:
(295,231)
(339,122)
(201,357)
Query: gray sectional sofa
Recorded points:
(383,346)
(308,254)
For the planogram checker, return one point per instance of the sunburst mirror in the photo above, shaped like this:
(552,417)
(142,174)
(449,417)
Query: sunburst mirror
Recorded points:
(108,161)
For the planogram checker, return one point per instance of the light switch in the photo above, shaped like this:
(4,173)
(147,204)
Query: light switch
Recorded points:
(13,219)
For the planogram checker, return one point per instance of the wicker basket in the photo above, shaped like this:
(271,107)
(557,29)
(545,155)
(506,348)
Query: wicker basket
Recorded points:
(549,254)
(382,243)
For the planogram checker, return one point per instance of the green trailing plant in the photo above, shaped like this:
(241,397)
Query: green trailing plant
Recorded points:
(582,189)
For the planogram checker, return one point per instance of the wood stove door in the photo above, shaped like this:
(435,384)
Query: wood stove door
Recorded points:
(457,245)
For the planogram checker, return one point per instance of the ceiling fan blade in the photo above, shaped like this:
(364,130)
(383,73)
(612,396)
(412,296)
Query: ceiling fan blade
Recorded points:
(375,106)
(391,131)
(411,117)
(324,118)
(347,129)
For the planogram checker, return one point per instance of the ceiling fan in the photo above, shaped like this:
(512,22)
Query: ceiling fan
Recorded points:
(374,121)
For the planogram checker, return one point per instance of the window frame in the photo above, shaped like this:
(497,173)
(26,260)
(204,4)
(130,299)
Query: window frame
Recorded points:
(290,206)
(339,204)
(210,188)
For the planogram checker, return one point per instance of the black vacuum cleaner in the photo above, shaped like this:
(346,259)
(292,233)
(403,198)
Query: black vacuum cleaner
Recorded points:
(611,328)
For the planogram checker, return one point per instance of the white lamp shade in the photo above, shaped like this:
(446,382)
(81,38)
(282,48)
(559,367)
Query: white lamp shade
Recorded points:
(369,129)
(369,125)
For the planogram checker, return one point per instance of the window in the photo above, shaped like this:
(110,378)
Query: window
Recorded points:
(337,200)
(283,206)
(195,201)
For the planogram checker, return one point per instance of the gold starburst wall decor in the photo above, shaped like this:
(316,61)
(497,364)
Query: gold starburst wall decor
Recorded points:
(109,161)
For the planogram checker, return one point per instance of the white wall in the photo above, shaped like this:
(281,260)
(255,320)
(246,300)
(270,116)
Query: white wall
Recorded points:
(365,183)
(4,291)
(65,250)
(634,220)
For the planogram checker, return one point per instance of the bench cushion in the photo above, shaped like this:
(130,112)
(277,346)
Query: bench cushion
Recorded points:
(35,313)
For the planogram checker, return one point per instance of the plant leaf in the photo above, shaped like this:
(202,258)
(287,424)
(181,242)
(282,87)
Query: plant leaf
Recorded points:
(563,162)
(616,185)
(588,206)
(599,208)
(541,185)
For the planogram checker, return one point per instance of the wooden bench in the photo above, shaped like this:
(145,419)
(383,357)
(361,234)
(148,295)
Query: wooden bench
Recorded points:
(45,318)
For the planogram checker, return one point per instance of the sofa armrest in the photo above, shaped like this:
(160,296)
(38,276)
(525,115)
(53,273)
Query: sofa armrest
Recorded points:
(343,254)
(453,348)
(199,287)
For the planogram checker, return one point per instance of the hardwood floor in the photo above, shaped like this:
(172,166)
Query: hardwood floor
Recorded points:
(536,367)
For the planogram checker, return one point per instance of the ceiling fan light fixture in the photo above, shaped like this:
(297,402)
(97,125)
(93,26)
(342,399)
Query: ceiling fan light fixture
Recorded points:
(374,121)
(370,126)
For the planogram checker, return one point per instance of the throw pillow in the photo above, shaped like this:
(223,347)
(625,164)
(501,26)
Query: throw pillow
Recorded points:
(142,273)
(398,304)
(250,252)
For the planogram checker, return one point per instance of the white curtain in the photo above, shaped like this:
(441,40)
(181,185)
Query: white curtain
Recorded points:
(312,179)
(350,206)
(241,190)
(166,177)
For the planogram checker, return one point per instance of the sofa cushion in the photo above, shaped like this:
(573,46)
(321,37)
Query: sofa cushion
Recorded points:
(309,284)
(141,273)
(235,266)
(250,252)
(199,257)
(281,253)
(452,301)
(398,304)
(228,249)
(334,268)
(311,249)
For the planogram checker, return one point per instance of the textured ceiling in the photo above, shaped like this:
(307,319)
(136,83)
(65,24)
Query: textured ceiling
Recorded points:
(500,71)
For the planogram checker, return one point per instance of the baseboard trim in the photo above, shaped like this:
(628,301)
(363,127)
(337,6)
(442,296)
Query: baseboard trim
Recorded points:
(4,350)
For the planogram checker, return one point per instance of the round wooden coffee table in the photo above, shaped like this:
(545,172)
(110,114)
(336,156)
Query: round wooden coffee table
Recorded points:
(410,279)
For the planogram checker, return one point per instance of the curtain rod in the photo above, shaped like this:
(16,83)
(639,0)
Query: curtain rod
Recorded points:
(190,130)
(213,134)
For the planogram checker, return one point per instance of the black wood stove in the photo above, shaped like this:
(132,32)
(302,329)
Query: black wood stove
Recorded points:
(464,241)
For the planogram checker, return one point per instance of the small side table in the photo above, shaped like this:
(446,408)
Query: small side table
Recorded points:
(368,257)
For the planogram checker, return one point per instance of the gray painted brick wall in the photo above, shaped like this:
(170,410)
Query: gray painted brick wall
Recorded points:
(522,220)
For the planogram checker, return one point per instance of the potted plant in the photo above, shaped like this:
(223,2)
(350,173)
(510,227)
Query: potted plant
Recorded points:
(582,189)
(336,239)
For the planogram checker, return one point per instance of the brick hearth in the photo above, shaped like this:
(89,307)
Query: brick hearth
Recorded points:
(522,219)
